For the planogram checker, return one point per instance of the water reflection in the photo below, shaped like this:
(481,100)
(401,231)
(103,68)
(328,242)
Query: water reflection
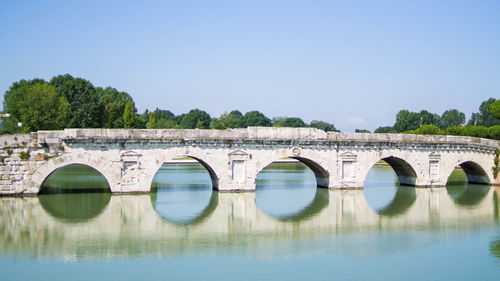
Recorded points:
(495,248)
(403,200)
(464,193)
(182,193)
(74,207)
(319,202)
(288,191)
(384,193)
(184,206)
(156,225)
(128,224)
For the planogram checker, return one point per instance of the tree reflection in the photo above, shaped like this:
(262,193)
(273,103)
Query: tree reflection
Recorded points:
(495,248)
(403,200)
(74,207)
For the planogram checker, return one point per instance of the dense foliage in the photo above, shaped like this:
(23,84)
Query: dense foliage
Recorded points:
(68,102)
(483,124)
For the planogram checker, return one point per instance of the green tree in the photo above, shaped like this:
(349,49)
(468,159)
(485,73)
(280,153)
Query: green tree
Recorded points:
(195,119)
(153,121)
(429,129)
(476,131)
(83,99)
(455,131)
(12,97)
(288,122)
(451,118)
(227,120)
(255,118)
(167,124)
(112,102)
(142,120)
(485,116)
(237,119)
(327,127)
(406,120)
(130,117)
(36,106)
(495,108)
(200,125)
(164,114)
(494,132)
(385,130)
(361,131)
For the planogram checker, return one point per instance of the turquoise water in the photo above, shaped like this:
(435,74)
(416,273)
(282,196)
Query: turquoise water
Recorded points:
(287,230)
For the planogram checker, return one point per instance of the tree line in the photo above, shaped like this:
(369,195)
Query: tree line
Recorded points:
(483,124)
(69,102)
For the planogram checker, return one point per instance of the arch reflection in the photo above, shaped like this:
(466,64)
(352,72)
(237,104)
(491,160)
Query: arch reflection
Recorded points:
(319,202)
(403,200)
(74,207)
(130,226)
(384,193)
(288,191)
(182,193)
(464,193)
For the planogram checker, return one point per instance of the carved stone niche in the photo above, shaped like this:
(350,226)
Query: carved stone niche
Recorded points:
(348,159)
(130,165)
(237,159)
(239,155)
(434,159)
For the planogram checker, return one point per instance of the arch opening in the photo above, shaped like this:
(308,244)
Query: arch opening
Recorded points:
(404,171)
(287,190)
(182,191)
(320,173)
(384,193)
(474,172)
(74,178)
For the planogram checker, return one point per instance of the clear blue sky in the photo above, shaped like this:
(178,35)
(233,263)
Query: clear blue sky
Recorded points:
(353,63)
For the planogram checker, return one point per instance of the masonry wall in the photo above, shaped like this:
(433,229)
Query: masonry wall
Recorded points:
(129,159)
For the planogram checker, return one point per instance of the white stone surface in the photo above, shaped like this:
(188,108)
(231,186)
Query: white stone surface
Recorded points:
(129,159)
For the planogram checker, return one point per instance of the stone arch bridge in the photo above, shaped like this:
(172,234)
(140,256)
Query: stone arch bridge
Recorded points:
(129,159)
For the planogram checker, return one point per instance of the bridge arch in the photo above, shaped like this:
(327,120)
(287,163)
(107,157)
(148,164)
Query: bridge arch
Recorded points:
(473,170)
(404,169)
(44,171)
(153,170)
(321,174)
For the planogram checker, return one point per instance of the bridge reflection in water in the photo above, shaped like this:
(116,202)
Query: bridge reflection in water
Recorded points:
(129,225)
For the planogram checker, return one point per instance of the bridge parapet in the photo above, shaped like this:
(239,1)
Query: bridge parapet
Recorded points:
(409,138)
(258,133)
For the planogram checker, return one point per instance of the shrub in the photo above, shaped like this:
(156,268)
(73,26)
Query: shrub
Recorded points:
(476,131)
(2,159)
(24,155)
(429,129)
(455,131)
(494,132)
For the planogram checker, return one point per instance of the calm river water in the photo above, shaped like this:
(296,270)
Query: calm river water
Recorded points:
(287,230)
